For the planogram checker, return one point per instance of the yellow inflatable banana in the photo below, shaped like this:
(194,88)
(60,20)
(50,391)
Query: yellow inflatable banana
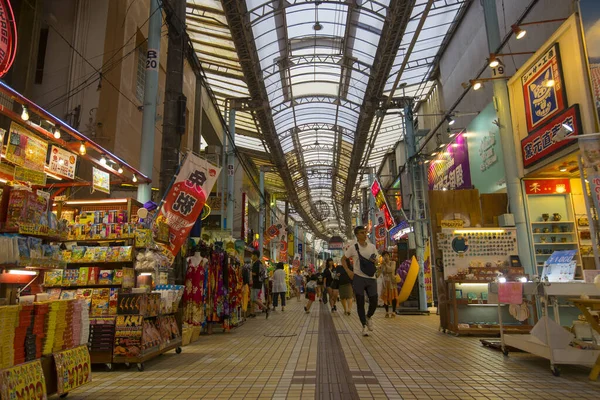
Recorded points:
(409,281)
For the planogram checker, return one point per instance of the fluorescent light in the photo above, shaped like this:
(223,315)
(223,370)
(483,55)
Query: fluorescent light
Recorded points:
(106,201)
(21,272)
(3,180)
(58,178)
(479,231)
(146,274)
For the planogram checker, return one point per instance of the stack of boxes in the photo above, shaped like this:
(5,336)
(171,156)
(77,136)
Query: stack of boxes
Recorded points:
(85,322)
(102,334)
(40,312)
(9,318)
(21,343)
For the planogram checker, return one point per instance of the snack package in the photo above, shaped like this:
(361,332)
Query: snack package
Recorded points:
(90,254)
(23,248)
(53,277)
(113,300)
(112,254)
(70,277)
(65,255)
(86,294)
(106,277)
(125,253)
(53,294)
(100,254)
(35,247)
(84,274)
(118,278)
(78,253)
(93,275)
(143,237)
(100,302)
(68,294)
(128,278)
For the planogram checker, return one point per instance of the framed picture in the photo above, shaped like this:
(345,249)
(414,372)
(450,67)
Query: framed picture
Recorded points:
(543,89)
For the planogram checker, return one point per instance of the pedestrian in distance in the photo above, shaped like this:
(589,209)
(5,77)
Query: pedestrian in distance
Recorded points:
(389,292)
(345,289)
(319,283)
(279,286)
(299,280)
(327,279)
(311,292)
(364,256)
(257,283)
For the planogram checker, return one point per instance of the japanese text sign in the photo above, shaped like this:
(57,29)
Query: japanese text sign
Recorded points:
(561,257)
(184,202)
(8,37)
(542,142)
(547,186)
(543,89)
(450,170)
(23,381)
(26,149)
(382,204)
(62,162)
(73,369)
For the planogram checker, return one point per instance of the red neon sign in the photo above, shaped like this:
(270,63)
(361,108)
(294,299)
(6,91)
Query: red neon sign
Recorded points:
(382,205)
(8,37)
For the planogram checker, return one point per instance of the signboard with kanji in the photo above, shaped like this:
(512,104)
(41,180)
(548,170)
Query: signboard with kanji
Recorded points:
(542,142)
(184,202)
(382,205)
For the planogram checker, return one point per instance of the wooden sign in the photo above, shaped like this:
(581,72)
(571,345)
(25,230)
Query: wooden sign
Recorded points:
(452,223)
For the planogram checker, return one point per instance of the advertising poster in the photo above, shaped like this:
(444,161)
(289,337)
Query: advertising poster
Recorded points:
(73,369)
(590,18)
(24,381)
(450,170)
(184,202)
(29,175)
(380,236)
(62,162)
(101,180)
(427,273)
(543,89)
(382,205)
(26,149)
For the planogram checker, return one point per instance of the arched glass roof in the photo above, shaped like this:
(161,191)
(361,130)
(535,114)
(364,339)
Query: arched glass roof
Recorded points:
(321,68)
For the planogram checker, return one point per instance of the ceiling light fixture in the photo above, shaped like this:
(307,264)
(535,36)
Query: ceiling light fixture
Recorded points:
(82,149)
(317,26)
(134,179)
(519,33)
(493,61)
(450,120)
(25,113)
(57,132)
(563,168)
(120,169)
(477,85)
(103,160)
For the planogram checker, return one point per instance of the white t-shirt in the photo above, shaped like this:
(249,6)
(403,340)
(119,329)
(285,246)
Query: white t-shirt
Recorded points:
(279,281)
(369,251)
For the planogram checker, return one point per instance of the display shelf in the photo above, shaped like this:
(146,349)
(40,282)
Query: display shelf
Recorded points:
(82,286)
(552,222)
(140,360)
(552,233)
(98,240)
(556,244)
(98,262)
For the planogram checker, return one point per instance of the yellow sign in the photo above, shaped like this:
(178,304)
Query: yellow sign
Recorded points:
(73,369)
(26,149)
(427,273)
(29,175)
(100,180)
(452,223)
(23,381)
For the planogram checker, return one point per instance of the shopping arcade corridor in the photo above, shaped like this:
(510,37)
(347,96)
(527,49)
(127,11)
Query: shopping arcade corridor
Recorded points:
(404,358)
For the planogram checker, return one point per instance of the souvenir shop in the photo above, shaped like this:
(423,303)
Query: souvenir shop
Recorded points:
(483,286)
(82,281)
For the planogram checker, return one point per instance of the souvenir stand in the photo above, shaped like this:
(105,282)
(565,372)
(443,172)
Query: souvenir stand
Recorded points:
(472,258)
(44,159)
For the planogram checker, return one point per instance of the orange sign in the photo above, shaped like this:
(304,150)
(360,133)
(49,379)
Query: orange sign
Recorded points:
(8,37)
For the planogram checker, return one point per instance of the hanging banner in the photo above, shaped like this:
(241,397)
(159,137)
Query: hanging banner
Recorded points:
(590,151)
(245,212)
(26,149)
(542,142)
(186,198)
(543,89)
(274,231)
(290,243)
(62,162)
(593,178)
(73,369)
(283,247)
(23,381)
(8,37)
(100,180)
(590,19)
(382,205)
(380,235)
(29,175)
(450,170)
(427,272)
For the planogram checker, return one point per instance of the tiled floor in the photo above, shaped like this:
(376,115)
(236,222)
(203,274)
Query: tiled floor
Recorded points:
(404,358)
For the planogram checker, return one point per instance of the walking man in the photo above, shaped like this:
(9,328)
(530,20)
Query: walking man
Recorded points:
(364,256)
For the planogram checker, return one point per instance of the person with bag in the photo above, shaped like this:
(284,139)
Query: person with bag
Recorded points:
(389,292)
(364,256)
(279,286)
(257,284)
(311,292)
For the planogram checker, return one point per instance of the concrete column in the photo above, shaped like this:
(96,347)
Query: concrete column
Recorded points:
(144,192)
(513,181)
(261,212)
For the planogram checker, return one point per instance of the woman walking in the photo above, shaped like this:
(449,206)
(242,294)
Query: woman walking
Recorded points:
(334,288)
(299,283)
(345,289)
(389,292)
(279,286)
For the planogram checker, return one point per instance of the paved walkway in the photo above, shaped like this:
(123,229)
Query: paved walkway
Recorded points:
(295,355)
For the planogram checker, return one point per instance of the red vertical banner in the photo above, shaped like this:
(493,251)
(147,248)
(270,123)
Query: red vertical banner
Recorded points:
(183,204)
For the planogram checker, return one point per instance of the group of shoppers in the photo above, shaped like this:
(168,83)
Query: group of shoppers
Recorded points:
(356,277)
